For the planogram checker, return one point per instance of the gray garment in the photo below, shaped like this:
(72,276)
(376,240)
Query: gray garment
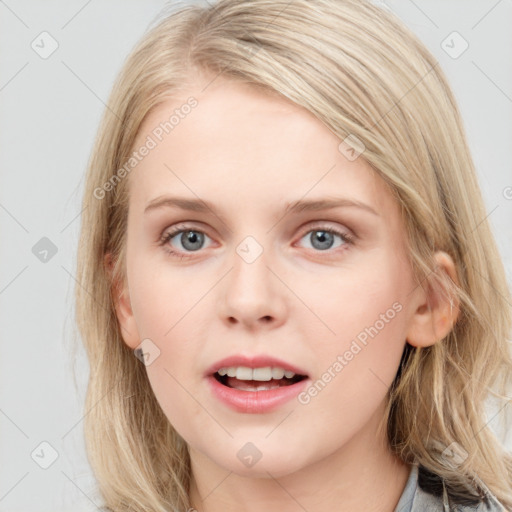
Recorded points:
(415,499)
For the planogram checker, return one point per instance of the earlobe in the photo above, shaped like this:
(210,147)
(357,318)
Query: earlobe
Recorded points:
(123,308)
(437,308)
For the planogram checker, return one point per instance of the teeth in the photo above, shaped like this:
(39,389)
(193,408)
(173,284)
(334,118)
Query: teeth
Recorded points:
(243,373)
(245,386)
(277,373)
(261,374)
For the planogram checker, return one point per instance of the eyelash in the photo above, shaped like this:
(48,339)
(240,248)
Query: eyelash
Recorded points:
(347,238)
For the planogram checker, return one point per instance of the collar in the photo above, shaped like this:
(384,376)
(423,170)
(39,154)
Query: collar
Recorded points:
(416,497)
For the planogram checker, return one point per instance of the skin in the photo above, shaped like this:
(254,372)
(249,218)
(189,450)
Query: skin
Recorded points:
(250,154)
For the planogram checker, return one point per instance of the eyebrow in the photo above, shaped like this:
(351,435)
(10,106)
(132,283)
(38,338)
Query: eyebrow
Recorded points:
(302,205)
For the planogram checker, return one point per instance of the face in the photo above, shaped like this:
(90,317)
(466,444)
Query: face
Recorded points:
(323,290)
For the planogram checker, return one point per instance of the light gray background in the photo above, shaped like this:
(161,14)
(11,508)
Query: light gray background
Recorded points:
(50,110)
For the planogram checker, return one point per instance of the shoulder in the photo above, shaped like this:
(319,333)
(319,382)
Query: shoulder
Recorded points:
(433,495)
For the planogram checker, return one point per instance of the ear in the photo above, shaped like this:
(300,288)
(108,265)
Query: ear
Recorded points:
(437,308)
(123,308)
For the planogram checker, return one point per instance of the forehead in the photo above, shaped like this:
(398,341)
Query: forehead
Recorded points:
(247,146)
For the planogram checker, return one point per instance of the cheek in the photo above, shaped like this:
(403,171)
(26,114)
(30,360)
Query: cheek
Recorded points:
(363,320)
(159,297)
(165,306)
(359,291)
(175,395)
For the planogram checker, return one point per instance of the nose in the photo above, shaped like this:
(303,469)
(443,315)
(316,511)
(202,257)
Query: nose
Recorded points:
(253,295)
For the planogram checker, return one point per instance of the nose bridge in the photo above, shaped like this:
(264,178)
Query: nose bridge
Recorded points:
(252,290)
(250,275)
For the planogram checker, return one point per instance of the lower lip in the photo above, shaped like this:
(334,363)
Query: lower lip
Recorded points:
(255,402)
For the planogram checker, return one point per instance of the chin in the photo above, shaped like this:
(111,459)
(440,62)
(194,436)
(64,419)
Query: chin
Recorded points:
(274,463)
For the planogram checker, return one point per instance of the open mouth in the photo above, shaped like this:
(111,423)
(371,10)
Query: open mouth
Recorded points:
(257,385)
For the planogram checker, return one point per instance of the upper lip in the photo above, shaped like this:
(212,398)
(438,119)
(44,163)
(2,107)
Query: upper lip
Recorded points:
(255,361)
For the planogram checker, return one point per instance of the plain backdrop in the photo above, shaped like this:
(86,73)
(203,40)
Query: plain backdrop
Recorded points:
(50,110)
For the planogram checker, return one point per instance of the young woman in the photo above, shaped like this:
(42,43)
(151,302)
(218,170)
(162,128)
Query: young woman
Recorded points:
(289,293)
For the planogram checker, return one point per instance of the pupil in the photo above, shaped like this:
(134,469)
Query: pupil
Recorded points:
(193,238)
(322,236)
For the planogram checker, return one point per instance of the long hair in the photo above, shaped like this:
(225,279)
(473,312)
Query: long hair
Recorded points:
(366,76)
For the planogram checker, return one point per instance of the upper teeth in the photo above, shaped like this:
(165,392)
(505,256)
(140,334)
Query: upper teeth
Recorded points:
(266,373)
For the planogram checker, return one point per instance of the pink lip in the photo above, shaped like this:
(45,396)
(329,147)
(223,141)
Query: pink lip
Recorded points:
(253,362)
(255,402)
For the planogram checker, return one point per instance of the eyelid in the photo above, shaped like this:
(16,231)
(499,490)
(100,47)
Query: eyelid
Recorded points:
(326,224)
(318,224)
(181,227)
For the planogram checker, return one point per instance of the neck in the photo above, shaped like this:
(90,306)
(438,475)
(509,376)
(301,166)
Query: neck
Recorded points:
(361,475)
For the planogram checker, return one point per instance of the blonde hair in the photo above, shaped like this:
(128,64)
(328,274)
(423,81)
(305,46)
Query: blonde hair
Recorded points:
(358,69)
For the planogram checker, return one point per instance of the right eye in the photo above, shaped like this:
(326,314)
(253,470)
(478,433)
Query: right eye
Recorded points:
(190,239)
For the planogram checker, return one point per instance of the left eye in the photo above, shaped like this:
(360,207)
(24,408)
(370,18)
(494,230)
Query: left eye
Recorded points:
(323,239)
